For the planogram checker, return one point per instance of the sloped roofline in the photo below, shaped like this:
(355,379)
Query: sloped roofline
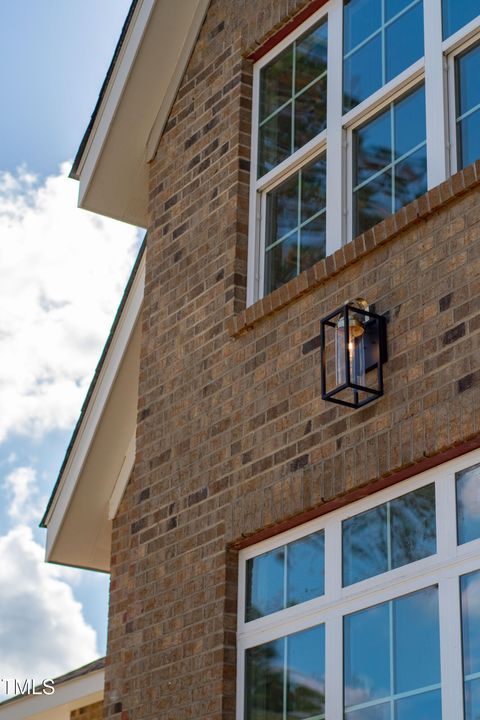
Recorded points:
(86,136)
(94,381)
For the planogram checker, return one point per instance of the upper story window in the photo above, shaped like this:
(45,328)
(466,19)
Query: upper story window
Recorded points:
(381,38)
(359,111)
(371,612)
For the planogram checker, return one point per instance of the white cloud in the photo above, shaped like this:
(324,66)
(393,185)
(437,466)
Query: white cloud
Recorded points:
(42,629)
(62,271)
(21,487)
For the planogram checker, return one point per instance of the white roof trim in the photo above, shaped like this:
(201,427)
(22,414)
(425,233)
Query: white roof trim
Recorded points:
(95,408)
(113,166)
(121,72)
(169,97)
(75,693)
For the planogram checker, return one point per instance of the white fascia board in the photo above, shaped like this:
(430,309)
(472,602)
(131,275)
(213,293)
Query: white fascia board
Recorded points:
(169,97)
(114,166)
(95,408)
(114,94)
(70,695)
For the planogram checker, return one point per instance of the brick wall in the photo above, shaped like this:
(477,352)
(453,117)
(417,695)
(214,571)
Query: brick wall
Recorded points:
(88,712)
(232,433)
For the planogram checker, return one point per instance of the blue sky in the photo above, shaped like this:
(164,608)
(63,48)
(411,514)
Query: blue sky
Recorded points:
(54,55)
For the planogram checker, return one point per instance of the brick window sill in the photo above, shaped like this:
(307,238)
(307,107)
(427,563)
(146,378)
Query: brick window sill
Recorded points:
(362,245)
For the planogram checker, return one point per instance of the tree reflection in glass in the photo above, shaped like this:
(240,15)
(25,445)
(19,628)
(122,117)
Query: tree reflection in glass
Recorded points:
(389,536)
(389,161)
(286,678)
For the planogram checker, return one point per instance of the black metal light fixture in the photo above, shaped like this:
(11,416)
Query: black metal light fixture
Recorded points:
(353,348)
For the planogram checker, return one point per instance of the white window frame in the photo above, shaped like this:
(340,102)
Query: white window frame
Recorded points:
(434,68)
(462,41)
(442,569)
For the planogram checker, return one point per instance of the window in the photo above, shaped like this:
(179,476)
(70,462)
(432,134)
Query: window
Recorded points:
(355,114)
(371,612)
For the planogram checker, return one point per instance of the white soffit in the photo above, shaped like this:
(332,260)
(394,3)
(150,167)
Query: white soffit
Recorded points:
(68,696)
(113,168)
(96,473)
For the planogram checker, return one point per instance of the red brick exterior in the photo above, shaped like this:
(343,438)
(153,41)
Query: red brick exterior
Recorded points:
(232,433)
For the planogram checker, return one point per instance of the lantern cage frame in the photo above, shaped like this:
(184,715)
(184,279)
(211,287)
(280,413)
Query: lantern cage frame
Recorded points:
(375,346)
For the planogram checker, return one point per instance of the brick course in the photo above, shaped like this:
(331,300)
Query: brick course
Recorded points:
(232,433)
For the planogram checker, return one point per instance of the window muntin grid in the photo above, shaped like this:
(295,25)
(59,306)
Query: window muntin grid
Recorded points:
(389,536)
(389,160)
(293,98)
(286,677)
(296,224)
(442,570)
(440,153)
(381,39)
(285,576)
(392,658)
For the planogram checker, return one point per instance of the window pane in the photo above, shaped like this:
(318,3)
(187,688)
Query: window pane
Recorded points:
(285,576)
(372,147)
(467,68)
(265,584)
(391,535)
(404,41)
(367,664)
(281,263)
(470,590)
(392,652)
(311,56)
(411,178)
(306,674)
(275,140)
(457,13)
(314,177)
(305,568)
(468,87)
(287,672)
(276,83)
(292,208)
(360,19)
(264,680)
(282,210)
(416,641)
(413,526)
(393,7)
(297,78)
(313,242)
(472,699)
(427,706)
(402,124)
(409,122)
(310,112)
(373,202)
(362,73)
(469,136)
(365,545)
(468,504)
(381,40)
(374,712)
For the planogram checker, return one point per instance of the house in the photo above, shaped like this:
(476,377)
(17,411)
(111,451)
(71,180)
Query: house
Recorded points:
(78,695)
(274,554)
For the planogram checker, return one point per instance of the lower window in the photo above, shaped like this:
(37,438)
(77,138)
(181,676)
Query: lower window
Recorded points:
(340,629)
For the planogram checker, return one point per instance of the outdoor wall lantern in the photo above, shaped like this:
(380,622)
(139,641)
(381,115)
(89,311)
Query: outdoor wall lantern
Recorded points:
(353,348)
